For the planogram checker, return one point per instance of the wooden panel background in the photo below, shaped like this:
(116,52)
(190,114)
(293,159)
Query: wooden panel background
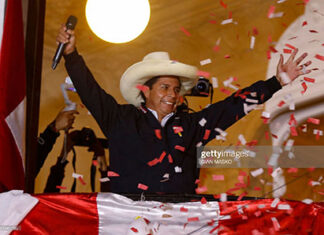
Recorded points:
(202,18)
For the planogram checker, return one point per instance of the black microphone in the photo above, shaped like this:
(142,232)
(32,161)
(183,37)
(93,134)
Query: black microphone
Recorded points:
(70,24)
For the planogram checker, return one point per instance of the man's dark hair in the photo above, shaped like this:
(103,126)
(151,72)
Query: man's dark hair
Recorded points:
(149,83)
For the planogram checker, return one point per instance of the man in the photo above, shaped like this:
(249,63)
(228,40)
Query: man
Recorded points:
(153,147)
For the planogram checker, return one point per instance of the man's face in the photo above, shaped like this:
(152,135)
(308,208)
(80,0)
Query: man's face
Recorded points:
(163,96)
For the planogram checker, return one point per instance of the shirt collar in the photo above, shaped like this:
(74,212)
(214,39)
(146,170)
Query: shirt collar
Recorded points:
(164,120)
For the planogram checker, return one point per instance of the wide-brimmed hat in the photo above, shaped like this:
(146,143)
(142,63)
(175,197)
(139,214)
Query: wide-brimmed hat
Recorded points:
(155,64)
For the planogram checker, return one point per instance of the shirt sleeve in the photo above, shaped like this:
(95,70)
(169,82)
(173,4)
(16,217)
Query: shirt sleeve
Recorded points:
(101,105)
(225,113)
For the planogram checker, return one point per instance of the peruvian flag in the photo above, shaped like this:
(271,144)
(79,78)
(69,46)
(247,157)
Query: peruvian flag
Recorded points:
(12,95)
(109,213)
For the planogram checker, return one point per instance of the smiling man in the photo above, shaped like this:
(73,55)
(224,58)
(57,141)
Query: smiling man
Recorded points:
(152,146)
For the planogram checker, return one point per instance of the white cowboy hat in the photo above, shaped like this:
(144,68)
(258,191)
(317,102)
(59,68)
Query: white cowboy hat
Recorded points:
(155,64)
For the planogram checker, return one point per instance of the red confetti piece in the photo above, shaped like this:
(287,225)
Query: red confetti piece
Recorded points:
(142,186)
(287,51)
(142,88)
(81,180)
(213,230)
(211,223)
(213,21)
(153,162)
(272,49)
(95,162)
(312,80)
(177,129)
(60,187)
(269,39)
(268,54)
(134,230)
(216,48)
(320,57)
(112,174)
(183,209)
(257,188)
(229,15)
(304,23)
(203,74)
(281,103)
(266,135)
(290,46)
(227,92)
(227,56)
(293,131)
(274,136)
(255,31)
(201,189)
(304,85)
(218,177)
(292,120)
(292,170)
(313,31)
(185,31)
(158,134)
(271,11)
(223,4)
(314,121)
(203,200)
(192,219)
(162,156)
(170,158)
(197,181)
(206,135)
(241,196)
(180,148)
(82,105)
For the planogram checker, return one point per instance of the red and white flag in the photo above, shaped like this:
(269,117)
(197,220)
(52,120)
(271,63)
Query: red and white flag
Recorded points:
(12,96)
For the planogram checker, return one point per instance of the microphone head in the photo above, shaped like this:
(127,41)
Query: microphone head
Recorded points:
(71,22)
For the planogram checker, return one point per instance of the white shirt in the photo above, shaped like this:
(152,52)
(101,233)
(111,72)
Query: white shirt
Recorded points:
(164,120)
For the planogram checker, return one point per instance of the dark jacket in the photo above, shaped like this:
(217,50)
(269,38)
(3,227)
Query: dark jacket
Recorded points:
(137,140)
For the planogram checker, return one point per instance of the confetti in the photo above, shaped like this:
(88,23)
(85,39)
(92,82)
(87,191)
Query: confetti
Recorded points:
(320,57)
(185,31)
(75,175)
(202,122)
(287,51)
(180,148)
(142,88)
(112,174)
(60,187)
(105,179)
(276,224)
(292,120)
(265,114)
(201,189)
(158,134)
(223,197)
(218,177)
(313,31)
(223,4)
(203,74)
(290,46)
(206,135)
(312,80)
(293,131)
(313,120)
(81,180)
(252,42)
(242,139)
(214,82)
(304,85)
(289,145)
(192,219)
(170,158)
(203,200)
(177,129)
(227,56)
(317,132)
(227,92)
(163,154)
(134,230)
(271,11)
(95,162)
(275,202)
(307,201)
(292,170)
(183,209)
(248,108)
(177,169)
(142,186)
(304,23)
(257,172)
(153,162)
(281,103)
(251,101)
(227,21)
(277,15)
(204,62)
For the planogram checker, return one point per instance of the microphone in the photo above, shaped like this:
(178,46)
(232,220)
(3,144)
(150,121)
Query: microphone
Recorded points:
(70,24)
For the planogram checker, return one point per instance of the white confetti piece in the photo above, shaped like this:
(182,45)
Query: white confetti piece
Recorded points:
(275,202)
(75,175)
(215,82)
(228,81)
(276,15)
(265,115)
(199,144)
(284,207)
(248,108)
(319,132)
(252,42)
(307,201)
(273,161)
(251,100)
(257,172)
(106,179)
(233,87)
(292,106)
(221,132)
(202,122)
(314,183)
(276,224)
(178,169)
(291,155)
(242,139)
(281,1)
(227,21)
(223,197)
(204,62)
(276,172)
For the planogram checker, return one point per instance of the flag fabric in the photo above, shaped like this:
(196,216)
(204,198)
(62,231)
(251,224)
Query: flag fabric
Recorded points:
(109,213)
(12,97)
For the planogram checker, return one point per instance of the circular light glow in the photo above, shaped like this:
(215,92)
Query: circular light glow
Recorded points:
(118,21)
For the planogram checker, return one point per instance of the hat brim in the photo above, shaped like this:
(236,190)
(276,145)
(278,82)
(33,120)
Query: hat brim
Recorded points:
(142,71)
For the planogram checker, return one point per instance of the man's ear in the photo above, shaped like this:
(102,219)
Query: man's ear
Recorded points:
(146,92)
